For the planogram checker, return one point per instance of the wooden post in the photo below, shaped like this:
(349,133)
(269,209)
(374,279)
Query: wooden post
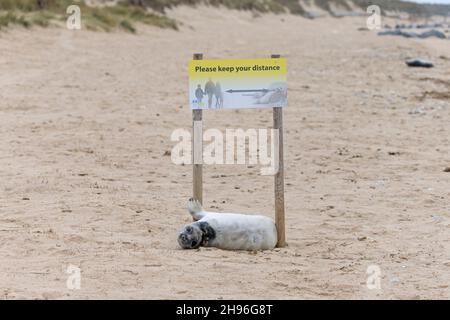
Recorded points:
(197,149)
(279,176)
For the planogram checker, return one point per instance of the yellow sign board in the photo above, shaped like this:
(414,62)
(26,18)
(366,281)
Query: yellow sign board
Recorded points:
(237,83)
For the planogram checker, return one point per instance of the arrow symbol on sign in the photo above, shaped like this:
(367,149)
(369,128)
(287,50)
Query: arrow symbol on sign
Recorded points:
(246,91)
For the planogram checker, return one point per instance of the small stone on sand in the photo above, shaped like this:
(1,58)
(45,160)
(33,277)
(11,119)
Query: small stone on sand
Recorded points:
(419,63)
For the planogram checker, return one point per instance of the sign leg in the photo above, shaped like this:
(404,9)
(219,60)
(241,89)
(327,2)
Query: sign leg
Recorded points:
(279,179)
(279,176)
(197,149)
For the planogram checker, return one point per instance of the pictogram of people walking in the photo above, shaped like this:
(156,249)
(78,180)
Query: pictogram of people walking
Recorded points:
(212,90)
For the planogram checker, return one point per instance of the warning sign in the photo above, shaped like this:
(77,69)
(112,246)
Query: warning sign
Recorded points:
(237,83)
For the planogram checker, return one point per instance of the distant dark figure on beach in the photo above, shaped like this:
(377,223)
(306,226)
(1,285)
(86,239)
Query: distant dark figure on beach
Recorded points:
(210,90)
(199,94)
(219,95)
(42,4)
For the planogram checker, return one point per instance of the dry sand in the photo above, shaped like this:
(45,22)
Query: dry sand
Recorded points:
(86,118)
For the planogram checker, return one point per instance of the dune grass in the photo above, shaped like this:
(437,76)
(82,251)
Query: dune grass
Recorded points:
(263,6)
(295,7)
(127,13)
(44,13)
(12,18)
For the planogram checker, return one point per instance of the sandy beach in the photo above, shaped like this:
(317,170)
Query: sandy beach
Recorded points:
(86,177)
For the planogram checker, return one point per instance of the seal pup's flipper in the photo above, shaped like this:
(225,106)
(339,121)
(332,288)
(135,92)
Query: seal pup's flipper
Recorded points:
(195,209)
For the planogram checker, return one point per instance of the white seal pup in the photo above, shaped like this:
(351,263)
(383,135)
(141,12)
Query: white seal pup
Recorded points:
(230,231)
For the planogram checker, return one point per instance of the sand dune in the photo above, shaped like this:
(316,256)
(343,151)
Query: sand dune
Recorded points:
(86,118)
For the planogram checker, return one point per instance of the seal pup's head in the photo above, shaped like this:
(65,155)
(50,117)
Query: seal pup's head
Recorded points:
(191,237)
(196,234)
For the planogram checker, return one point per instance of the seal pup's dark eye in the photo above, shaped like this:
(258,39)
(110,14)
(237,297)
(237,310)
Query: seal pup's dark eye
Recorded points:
(194,243)
(189,229)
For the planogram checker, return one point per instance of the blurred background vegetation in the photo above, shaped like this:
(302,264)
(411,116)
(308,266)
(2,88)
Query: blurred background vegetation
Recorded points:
(124,14)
